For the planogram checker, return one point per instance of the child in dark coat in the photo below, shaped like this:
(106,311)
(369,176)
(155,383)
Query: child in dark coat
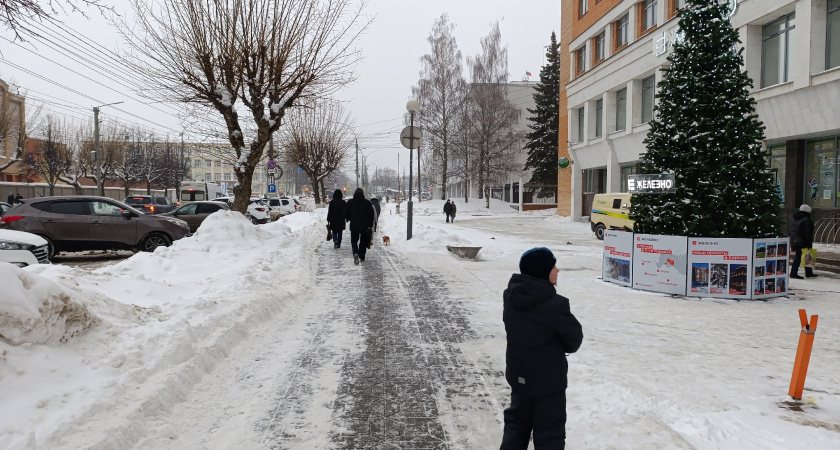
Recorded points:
(541,330)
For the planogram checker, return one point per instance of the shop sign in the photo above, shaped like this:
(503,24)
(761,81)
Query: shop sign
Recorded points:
(618,253)
(719,267)
(662,183)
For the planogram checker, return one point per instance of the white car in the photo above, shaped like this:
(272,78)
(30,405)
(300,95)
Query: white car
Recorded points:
(286,205)
(257,212)
(23,249)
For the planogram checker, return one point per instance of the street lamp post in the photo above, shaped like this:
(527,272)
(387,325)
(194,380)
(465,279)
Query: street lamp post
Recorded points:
(98,158)
(412,106)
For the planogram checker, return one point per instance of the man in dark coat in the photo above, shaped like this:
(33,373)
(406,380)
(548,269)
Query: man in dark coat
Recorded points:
(18,198)
(359,212)
(801,236)
(447,209)
(335,217)
(541,330)
(10,199)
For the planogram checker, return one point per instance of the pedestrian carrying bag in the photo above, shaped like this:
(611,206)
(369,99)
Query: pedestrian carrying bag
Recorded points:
(809,258)
(329,233)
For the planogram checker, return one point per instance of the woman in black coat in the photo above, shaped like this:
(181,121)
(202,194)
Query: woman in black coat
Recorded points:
(335,217)
(801,236)
(359,212)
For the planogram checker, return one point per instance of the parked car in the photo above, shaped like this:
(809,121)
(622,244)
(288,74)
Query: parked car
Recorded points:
(151,204)
(23,249)
(4,207)
(194,213)
(287,205)
(73,223)
(257,213)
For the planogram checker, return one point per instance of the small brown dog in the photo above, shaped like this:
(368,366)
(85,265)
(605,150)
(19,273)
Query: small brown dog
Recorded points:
(386,240)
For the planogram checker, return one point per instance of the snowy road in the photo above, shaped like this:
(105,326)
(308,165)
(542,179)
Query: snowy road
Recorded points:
(397,367)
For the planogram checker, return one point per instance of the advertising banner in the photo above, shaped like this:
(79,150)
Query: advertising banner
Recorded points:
(618,253)
(719,267)
(659,263)
(770,267)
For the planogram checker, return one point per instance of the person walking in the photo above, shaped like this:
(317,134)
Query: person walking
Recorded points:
(541,330)
(359,212)
(378,209)
(447,209)
(452,210)
(18,198)
(335,217)
(801,237)
(11,198)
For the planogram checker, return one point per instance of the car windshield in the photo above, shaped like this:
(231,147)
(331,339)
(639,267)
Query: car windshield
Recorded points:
(138,200)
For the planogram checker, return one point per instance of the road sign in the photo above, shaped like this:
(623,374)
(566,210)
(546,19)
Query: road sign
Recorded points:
(405,137)
(271,164)
(302,178)
(299,170)
(271,178)
(272,188)
(283,186)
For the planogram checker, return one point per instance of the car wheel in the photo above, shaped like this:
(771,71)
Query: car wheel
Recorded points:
(254,221)
(50,247)
(599,231)
(153,241)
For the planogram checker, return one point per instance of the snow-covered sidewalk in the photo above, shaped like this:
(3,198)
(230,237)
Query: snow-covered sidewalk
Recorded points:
(130,348)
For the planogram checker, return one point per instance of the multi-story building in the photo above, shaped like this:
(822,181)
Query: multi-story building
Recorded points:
(12,132)
(612,54)
(214,162)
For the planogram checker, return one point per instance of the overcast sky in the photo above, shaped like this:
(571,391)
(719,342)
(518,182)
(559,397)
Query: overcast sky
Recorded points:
(391,48)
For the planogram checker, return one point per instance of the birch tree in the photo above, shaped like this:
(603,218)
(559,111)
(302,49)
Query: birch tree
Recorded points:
(493,115)
(245,61)
(441,92)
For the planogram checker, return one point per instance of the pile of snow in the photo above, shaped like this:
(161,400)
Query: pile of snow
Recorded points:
(36,310)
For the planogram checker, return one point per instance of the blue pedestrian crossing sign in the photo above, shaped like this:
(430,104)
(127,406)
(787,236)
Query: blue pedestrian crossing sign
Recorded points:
(272,188)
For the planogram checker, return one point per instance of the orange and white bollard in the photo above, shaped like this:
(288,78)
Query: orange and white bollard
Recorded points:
(803,355)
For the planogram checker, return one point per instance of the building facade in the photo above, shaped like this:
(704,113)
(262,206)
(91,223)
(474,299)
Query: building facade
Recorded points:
(612,57)
(215,163)
(12,132)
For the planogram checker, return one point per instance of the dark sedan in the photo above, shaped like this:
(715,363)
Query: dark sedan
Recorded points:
(194,213)
(73,223)
(151,204)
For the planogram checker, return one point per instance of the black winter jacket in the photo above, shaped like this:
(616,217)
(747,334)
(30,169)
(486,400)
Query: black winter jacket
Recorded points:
(375,203)
(801,231)
(359,212)
(335,213)
(540,331)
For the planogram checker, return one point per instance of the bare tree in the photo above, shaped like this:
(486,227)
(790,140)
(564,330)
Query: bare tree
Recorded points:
(493,115)
(441,92)
(53,158)
(317,140)
(248,61)
(74,174)
(15,13)
(109,147)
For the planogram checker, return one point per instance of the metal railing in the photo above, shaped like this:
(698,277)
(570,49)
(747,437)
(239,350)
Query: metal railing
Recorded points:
(827,230)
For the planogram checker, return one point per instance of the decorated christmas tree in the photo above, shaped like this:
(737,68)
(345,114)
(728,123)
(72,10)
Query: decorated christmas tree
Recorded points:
(706,132)
(542,139)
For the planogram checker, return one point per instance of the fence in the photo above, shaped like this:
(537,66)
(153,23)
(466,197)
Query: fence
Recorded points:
(32,190)
(827,230)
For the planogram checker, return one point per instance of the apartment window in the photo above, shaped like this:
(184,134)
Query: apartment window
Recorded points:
(674,6)
(218,164)
(832,44)
(621,110)
(580,60)
(228,176)
(599,117)
(208,176)
(648,15)
(648,92)
(778,38)
(208,163)
(583,7)
(580,120)
(621,31)
(598,43)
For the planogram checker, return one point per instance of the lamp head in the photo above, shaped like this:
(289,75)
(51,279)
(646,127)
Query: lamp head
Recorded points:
(412,105)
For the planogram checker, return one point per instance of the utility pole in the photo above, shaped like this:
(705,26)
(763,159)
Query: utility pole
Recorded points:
(357,163)
(97,158)
(181,170)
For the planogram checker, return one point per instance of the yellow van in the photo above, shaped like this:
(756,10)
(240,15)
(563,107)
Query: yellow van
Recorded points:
(610,211)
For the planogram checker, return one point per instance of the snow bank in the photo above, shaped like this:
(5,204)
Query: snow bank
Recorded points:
(36,310)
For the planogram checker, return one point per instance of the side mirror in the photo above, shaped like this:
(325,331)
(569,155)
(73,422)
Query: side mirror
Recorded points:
(127,214)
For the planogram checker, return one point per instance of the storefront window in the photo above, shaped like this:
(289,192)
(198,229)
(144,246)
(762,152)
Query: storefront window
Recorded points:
(821,173)
(777,41)
(777,168)
(832,44)
(626,171)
